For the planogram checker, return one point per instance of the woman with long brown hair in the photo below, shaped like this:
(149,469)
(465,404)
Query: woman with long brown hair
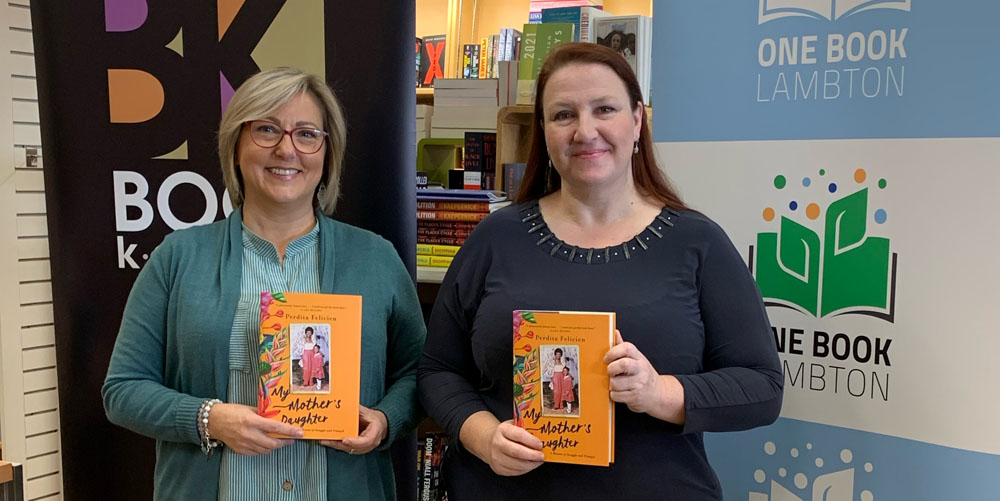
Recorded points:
(598,227)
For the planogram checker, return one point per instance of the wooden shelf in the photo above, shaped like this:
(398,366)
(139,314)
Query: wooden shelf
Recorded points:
(513,136)
(425,95)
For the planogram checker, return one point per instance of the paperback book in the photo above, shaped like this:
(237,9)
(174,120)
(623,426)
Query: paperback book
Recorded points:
(561,384)
(309,360)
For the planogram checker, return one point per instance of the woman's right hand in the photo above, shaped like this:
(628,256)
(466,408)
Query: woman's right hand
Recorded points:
(241,429)
(514,451)
(507,448)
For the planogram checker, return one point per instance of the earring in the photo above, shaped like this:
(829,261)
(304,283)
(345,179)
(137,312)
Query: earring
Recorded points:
(635,148)
(548,176)
(320,191)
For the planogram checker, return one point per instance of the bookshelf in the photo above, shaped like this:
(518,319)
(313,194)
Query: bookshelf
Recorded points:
(513,136)
(466,21)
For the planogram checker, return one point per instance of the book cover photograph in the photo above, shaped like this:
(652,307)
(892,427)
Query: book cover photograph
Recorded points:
(310,362)
(620,35)
(561,384)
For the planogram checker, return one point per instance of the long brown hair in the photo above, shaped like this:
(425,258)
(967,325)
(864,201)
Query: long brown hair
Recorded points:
(648,178)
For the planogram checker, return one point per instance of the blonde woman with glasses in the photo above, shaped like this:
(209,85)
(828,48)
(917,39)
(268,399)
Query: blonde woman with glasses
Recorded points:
(183,369)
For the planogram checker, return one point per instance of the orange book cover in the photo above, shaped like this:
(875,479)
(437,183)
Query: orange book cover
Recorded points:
(310,362)
(561,386)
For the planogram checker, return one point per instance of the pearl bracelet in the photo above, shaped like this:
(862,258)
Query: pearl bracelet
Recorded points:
(207,443)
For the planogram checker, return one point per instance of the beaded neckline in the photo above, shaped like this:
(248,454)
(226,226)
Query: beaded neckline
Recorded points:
(531,217)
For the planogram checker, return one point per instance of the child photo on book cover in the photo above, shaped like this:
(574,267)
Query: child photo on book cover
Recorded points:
(560,378)
(620,36)
(311,352)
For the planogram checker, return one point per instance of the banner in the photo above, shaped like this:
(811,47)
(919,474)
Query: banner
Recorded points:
(849,150)
(131,93)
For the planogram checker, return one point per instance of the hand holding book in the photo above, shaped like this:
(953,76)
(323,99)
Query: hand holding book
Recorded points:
(635,382)
(507,448)
(242,430)
(374,429)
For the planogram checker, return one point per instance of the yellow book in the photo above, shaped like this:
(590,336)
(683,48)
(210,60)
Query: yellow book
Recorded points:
(425,249)
(310,362)
(423,260)
(444,250)
(441,261)
(561,384)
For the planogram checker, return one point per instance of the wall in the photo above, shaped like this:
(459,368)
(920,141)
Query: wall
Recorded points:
(432,17)
(29,417)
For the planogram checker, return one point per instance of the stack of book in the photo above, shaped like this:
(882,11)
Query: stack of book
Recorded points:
(424,114)
(630,36)
(445,218)
(462,104)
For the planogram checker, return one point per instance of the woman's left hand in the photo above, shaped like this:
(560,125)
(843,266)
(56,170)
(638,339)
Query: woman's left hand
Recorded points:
(374,429)
(635,382)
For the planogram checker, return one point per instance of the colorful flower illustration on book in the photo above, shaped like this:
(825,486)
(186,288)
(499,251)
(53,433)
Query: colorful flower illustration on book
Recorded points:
(526,367)
(273,351)
(837,269)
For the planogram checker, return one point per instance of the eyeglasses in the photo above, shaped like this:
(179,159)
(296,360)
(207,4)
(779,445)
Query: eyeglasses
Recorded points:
(306,140)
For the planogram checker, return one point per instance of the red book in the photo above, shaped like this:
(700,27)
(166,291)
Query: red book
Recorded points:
(442,232)
(433,240)
(446,215)
(458,206)
(447,225)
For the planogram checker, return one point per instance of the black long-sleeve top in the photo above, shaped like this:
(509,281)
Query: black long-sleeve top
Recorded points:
(682,295)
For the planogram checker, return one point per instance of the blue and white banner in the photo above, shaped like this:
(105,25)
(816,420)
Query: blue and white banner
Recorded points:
(850,149)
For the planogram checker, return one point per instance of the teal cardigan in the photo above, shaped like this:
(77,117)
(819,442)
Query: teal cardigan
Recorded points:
(172,350)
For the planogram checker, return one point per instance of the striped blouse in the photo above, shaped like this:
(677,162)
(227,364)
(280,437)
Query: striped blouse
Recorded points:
(297,471)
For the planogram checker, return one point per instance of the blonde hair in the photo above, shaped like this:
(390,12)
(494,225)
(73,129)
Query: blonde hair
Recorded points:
(260,96)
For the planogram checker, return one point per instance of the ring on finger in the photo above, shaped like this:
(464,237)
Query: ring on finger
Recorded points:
(351,451)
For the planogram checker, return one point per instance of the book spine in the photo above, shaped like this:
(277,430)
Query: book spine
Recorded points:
(424,249)
(446,225)
(483,55)
(444,215)
(488,164)
(426,476)
(473,154)
(508,43)
(456,206)
(501,43)
(423,260)
(475,61)
(444,250)
(512,175)
(431,240)
(441,232)
(496,56)
(441,261)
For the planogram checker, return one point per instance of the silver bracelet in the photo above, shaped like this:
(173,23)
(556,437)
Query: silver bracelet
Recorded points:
(208,444)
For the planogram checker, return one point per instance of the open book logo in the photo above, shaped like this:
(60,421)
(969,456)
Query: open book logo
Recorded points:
(830,265)
(830,10)
(787,483)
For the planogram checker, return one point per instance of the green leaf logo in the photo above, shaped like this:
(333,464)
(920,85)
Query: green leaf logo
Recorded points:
(848,271)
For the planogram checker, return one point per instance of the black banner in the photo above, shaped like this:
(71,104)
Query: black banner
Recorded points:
(130,97)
